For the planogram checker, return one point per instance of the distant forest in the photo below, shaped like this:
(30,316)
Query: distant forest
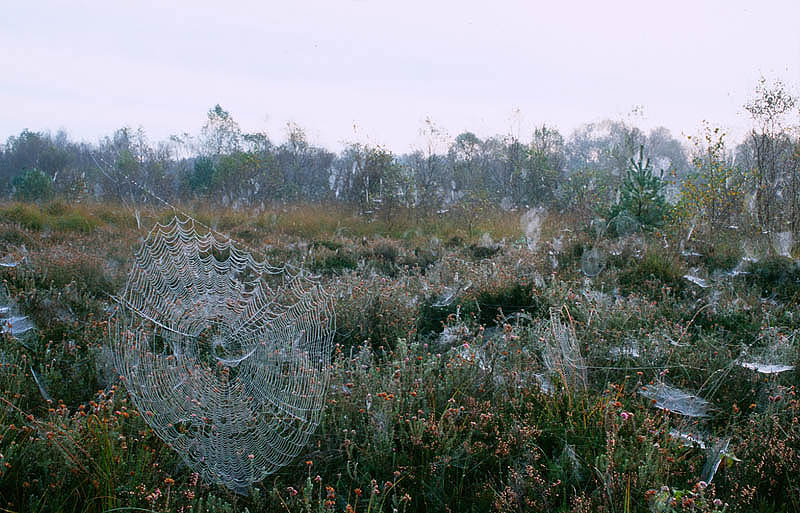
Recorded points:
(706,176)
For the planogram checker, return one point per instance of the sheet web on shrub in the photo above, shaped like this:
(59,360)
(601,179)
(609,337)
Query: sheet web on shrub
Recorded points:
(226,357)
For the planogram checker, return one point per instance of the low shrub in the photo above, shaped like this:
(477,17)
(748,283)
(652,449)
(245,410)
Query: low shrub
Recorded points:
(775,277)
(486,421)
(67,266)
(334,263)
(480,252)
(74,221)
(722,255)
(653,274)
(329,244)
(26,215)
(768,449)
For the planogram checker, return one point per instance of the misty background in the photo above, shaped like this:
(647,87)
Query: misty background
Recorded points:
(372,72)
(424,108)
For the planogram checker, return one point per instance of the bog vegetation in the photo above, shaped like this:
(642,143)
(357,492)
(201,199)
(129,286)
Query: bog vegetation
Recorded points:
(549,325)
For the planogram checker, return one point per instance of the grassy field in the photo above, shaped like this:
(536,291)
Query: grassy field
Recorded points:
(475,369)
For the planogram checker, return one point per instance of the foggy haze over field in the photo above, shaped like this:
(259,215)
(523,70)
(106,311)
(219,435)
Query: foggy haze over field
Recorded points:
(362,255)
(90,68)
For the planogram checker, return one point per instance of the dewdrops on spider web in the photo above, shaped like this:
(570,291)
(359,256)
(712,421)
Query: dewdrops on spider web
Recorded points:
(226,357)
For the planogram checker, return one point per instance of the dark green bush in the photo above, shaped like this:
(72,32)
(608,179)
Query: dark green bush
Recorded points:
(336,262)
(775,277)
(570,257)
(384,258)
(329,244)
(74,222)
(736,326)
(420,258)
(480,252)
(386,252)
(33,185)
(506,300)
(454,242)
(482,307)
(722,255)
(650,274)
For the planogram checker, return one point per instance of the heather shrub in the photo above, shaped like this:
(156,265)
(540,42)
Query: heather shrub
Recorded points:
(775,276)
(511,382)
(656,273)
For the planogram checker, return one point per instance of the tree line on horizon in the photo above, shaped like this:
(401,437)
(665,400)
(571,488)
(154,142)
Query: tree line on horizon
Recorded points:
(594,170)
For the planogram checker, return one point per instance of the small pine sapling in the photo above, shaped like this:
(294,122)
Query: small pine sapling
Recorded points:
(642,194)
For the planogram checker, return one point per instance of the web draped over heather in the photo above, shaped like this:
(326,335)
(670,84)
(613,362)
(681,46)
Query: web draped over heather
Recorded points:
(226,357)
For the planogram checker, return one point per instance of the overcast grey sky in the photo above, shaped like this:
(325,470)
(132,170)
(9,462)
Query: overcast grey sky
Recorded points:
(92,67)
